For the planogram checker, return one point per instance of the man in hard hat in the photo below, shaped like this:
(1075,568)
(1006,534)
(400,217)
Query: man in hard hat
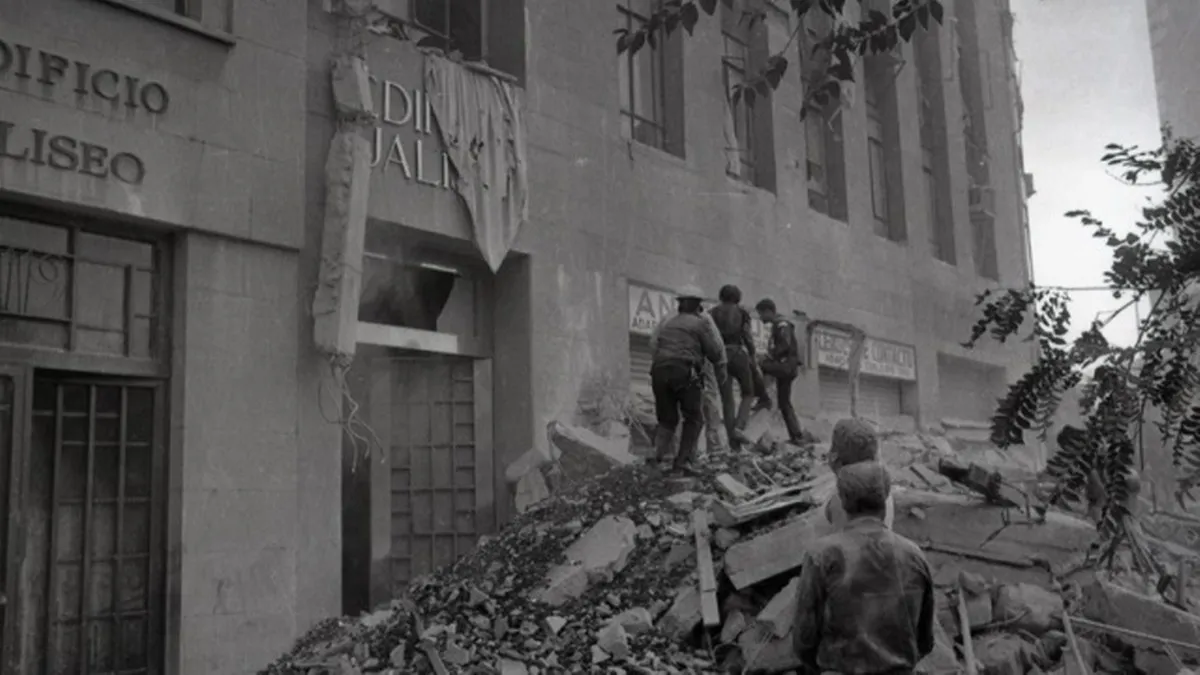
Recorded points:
(680,346)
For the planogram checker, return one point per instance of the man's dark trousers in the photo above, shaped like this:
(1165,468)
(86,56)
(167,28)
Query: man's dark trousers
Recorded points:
(783,391)
(678,389)
(741,370)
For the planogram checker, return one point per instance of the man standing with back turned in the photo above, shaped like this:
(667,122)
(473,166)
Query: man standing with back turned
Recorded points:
(733,322)
(864,605)
(680,345)
(782,362)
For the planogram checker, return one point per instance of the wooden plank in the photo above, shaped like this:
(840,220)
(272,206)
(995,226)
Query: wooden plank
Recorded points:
(733,488)
(976,554)
(964,621)
(1073,644)
(708,579)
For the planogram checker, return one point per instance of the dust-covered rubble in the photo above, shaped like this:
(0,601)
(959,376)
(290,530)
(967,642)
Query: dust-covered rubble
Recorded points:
(613,567)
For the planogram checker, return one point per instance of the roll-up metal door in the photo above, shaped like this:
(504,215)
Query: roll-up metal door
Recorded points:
(968,390)
(639,366)
(878,397)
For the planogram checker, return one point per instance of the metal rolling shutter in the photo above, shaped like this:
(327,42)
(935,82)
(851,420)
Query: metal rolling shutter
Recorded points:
(968,390)
(835,391)
(639,366)
(878,397)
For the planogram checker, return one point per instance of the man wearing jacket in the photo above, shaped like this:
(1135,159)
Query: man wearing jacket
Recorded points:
(733,322)
(782,362)
(680,346)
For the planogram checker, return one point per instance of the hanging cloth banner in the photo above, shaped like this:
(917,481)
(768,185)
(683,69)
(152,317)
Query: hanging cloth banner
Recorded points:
(479,118)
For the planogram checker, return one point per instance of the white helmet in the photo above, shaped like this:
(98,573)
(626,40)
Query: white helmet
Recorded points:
(691,291)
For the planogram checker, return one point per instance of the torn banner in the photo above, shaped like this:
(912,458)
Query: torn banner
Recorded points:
(480,121)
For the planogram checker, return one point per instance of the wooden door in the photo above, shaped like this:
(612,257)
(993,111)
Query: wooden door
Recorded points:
(440,450)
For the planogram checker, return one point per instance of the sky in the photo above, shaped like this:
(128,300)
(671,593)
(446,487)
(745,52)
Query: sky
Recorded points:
(1087,79)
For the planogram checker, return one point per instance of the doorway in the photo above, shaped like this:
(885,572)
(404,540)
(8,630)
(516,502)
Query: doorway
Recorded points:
(82,583)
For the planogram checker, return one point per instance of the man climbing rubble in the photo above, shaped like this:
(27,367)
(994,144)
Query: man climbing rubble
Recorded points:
(864,602)
(733,322)
(782,362)
(854,442)
(680,347)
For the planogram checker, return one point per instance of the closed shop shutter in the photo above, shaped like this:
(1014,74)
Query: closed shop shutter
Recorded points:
(835,391)
(878,397)
(639,366)
(968,390)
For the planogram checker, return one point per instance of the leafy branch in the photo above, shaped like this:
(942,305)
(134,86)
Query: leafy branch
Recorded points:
(833,53)
(1120,385)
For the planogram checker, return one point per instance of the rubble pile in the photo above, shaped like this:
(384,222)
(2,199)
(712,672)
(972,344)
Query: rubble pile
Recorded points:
(614,567)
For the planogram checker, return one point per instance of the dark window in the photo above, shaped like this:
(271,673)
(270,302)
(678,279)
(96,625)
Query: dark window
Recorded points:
(748,132)
(189,8)
(934,159)
(482,31)
(650,84)
(883,146)
(70,289)
(825,149)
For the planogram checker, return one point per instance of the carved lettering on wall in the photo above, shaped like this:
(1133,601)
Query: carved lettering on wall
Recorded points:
(405,140)
(65,153)
(25,67)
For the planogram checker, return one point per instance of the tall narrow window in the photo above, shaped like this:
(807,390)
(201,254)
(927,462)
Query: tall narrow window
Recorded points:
(747,125)
(883,147)
(824,145)
(934,160)
(650,83)
(973,85)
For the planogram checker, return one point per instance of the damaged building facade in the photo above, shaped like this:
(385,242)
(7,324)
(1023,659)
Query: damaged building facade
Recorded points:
(888,214)
(186,475)
(169,485)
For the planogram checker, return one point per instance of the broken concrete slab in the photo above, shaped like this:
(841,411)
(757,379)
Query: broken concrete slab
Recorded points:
(684,614)
(533,459)
(958,521)
(781,610)
(1028,607)
(1107,603)
(614,640)
(601,552)
(1003,654)
(635,621)
(586,454)
(530,490)
(764,652)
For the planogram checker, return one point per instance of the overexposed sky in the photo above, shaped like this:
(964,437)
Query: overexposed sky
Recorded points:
(1087,80)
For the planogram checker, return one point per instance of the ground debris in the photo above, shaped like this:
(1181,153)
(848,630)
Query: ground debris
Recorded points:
(614,567)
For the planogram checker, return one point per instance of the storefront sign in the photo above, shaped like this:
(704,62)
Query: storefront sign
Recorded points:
(23,63)
(405,140)
(649,306)
(881,359)
(64,153)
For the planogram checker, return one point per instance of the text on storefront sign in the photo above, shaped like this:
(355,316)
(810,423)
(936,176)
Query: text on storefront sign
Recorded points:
(414,154)
(881,359)
(65,153)
(24,63)
(649,306)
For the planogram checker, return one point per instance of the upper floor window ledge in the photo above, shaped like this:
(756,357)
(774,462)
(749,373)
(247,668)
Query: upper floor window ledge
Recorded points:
(182,14)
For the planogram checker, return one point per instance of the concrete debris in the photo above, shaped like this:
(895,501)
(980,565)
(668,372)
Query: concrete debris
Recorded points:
(609,574)
(599,554)
(1028,607)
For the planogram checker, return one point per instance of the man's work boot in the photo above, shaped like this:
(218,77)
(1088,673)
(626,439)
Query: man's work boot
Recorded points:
(762,404)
